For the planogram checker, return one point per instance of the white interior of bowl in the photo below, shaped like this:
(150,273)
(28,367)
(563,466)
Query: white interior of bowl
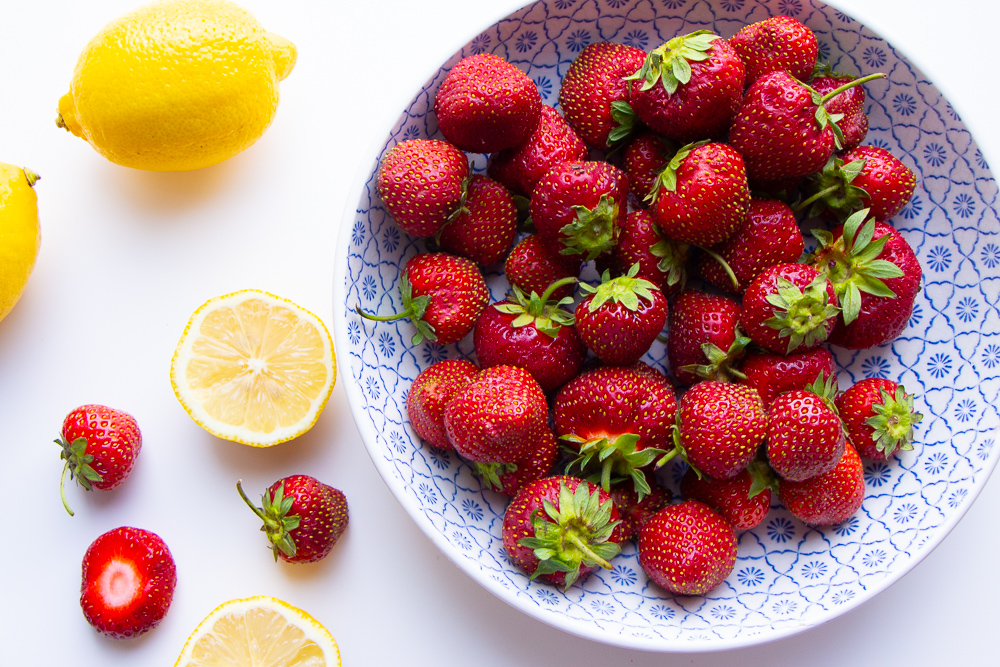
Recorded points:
(788,576)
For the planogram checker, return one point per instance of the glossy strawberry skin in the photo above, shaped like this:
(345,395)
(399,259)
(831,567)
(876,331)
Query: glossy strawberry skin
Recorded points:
(644,159)
(531,267)
(773,374)
(711,200)
(492,418)
(687,548)
(777,133)
(888,182)
(485,104)
(757,310)
(776,43)
(323,517)
(537,465)
(553,142)
(700,109)
(850,103)
(485,229)
(594,80)
(856,407)
(770,235)
(695,319)
(620,336)
(830,498)
(430,391)
(552,361)
(113,439)
(639,242)
(804,436)
(420,183)
(457,292)
(729,497)
(128,583)
(721,426)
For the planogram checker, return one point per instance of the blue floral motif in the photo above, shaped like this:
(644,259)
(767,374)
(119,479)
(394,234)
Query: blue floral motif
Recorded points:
(411,132)
(991,355)
(875,367)
(955,499)
(965,410)
(526,41)
(880,143)
(939,258)
(547,596)
(624,576)
(824,50)
(912,208)
(916,315)
(433,354)
(723,612)
(874,558)
(358,233)
(991,255)
(904,104)
(636,38)
(847,527)
(732,5)
(354,332)
(427,493)
(564,4)
(840,597)
(371,387)
(461,539)
(617,4)
(934,154)
(662,612)
(480,44)
(472,509)
(397,441)
(784,607)
(965,205)
(439,458)
(814,569)
(780,530)
(673,4)
(906,513)
(984,448)
(603,607)
(936,463)
(578,40)
(939,365)
(369,288)
(967,309)
(874,57)
(544,85)
(750,576)
(981,160)
(390,239)
(790,7)
(877,474)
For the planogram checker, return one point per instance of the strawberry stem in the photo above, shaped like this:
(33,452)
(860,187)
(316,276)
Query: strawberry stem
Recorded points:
(850,84)
(725,267)
(380,318)
(585,548)
(805,203)
(547,294)
(62,489)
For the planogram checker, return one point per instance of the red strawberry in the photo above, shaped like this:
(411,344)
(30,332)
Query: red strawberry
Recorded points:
(661,261)
(618,418)
(486,104)
(773,374)
(770,235)
(777,43)
(698,320)
(636,510)
(849,103)
(719,428)
(876,276)
(128,582)
(485,226)
(594,93)
(689,88)
(804,435)
(621,318)
(534,333)
(701,196)
(552,143)
(577,207)
(421,182)
(688,548)
(532,267)
(789,307)
(492,419)
(829,498)
(738,500)
(430,392)
(783,130)
(442,294)
(866,177)
(644,159)
(100,445)
(879,417)
(509,478)
(560,529)
(303,518)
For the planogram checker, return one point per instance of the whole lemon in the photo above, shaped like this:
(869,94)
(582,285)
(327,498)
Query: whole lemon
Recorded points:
(19,233)
(176,85)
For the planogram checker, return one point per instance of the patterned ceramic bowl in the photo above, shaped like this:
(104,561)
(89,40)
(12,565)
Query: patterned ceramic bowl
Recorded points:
(788,576)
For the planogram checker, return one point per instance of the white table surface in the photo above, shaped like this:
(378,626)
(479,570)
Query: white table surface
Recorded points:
(127,256)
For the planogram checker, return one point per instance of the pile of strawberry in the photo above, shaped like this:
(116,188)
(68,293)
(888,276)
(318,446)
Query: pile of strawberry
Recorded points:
(683,174)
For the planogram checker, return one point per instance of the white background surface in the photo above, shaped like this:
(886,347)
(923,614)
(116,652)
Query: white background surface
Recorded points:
(127,256)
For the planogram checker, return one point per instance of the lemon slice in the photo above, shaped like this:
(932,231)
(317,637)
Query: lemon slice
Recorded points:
(254,368)
(259,632)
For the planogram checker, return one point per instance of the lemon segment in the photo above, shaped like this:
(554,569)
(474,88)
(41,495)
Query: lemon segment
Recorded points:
(254,368)
(20,235)
(259,632)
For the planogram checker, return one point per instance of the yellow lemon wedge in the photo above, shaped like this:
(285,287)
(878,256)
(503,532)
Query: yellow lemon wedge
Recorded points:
(20,235)
(254,368)
(176,85)
(259,632)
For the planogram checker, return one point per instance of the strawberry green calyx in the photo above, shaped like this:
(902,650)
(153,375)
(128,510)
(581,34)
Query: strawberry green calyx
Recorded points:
(832,189)
(490,473)
(670,63)
(851,263)
(595,230)
(277,522)
(548,316)
(606,461)
(459,210)
(575,535)
(673,259)
(720,362)
(413,308)
(667,179)
(825,386)
(78,464)
(894,421)
(627,122)
(626,290)
(801,315)
(678,450)
(762,477)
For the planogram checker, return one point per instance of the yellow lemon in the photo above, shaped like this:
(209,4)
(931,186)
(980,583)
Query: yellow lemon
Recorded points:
(259,632)
(177,84)
(254,368)
(19,233)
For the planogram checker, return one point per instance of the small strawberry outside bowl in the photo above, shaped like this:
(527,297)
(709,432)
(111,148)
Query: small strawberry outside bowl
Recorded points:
(788,576)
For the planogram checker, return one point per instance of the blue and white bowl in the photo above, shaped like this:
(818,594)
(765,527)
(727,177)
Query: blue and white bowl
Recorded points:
(788,576)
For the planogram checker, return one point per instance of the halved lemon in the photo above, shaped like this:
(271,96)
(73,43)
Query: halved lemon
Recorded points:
(254,368)
(259,632)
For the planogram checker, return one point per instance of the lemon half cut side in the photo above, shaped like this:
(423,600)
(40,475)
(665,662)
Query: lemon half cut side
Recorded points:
(254,368)
(259,632)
